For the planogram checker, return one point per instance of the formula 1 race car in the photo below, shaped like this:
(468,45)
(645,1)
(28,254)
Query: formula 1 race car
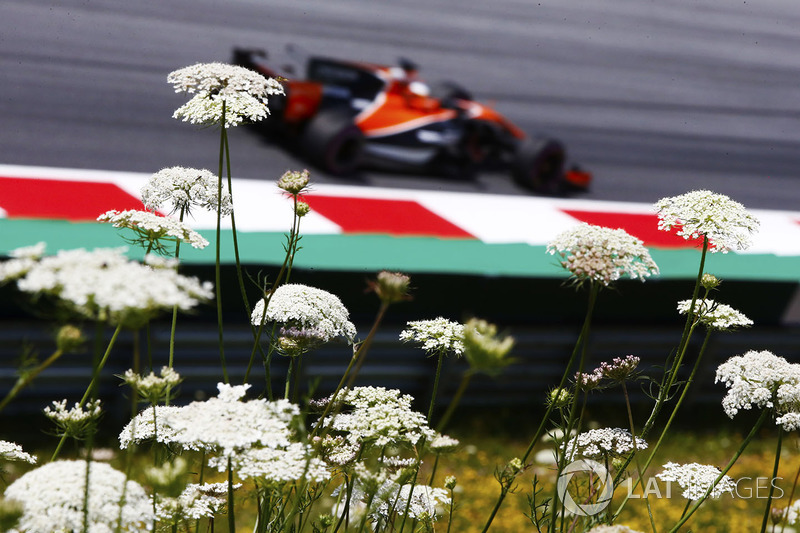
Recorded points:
(346,115)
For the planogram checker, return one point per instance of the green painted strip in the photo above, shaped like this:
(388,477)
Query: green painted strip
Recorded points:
(370,253)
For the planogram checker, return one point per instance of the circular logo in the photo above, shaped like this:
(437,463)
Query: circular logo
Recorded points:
(604,495)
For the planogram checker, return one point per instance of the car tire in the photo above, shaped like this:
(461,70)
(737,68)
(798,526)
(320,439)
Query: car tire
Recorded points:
(334,143)
(539,165)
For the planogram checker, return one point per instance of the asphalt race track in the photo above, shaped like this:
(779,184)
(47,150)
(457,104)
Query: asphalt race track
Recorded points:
(656,98)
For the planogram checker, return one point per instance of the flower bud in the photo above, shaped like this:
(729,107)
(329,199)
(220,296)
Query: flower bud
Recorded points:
(69,338)
(294,181)
(710,281)
(390,287)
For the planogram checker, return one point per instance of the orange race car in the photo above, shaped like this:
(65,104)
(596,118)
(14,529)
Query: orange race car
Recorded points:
(348,115)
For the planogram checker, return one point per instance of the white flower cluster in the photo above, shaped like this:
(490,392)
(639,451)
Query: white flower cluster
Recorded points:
(715,315)
(696,479)
(602,442)
(152,387)
(616,528)
(52,497)
(256,435)
(181,188)
(426,503)
(11,451)
(277,465)
(437,335)
(602,255)
(294,181)
(76,415)
(306,309)
(793,513)
(195,502)
(153,227)
(105,285)
(764,380)
(379,417)
(241,91)
(725,223)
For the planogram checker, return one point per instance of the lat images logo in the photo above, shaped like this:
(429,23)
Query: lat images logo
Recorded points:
(599,483)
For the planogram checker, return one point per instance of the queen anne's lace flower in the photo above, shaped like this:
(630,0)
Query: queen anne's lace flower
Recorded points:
(153,228)
(695,479)
(105,285)
(151,387)
(616,528)
(52,497)
(379,417)
(437,335)
(484,349)
(10,451)
(764,380)
(181,189)
(307,312)
(725,223)
(602,255)
(243,93)
(426,502)
(293,181)
(602,442)
(195,502)
(148,425)
(275,464)
(715,315)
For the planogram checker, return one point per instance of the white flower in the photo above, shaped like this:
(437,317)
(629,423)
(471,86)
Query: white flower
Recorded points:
(760,379)
(152,387)
(52,497)
(725,223)
(793,512)
(229,426)
(426,502)
(715,315)
(437,335)
(75,415)
(695,479)
(306,312)
(616,528)
(152,227)
(275,464)
(105,285)
(601,254)
(379,417)
(147,425)
(293,181)
(242,91)
(11,451)
(181,188)
(602,442)
(195,502)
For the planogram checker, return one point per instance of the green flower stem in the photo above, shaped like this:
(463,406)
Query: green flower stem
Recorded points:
(772,483)
(573,410)
(664,431)
(462,387)
(378,318)
(688,329)
(756,427)
(286,266)
(231,517)
(25,379)
(217,262)
(791,498)
(635,455)
(92,384)
(435,384)
(584,334)
(358,354)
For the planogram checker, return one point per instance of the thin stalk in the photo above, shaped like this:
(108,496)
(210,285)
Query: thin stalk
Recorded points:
(462,387)
(772,481)
(435,385)
(635,455)
(664,431)
(791,497)
(231,517)
(581,339)
(217,261)
(92,384)
(757,426)
(25,379)
(378,318)
(359,353)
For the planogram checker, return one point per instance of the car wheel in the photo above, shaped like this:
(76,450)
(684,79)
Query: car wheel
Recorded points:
(334,143)
(539,165)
